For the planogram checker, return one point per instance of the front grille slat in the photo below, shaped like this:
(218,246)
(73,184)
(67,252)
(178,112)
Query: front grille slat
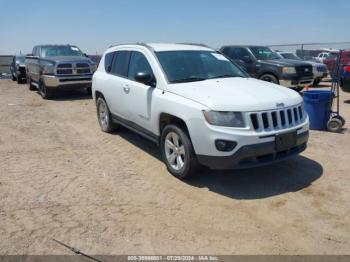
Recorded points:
(277,120)
(73,69)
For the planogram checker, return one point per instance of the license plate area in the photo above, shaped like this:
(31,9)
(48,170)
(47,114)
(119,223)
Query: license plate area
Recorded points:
(285,141)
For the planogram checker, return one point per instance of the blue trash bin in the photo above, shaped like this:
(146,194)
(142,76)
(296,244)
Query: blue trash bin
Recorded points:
(317,104)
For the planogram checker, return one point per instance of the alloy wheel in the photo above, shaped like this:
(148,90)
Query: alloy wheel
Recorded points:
(174,151)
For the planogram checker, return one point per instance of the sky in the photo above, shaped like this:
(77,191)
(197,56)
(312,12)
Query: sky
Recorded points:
(95,25)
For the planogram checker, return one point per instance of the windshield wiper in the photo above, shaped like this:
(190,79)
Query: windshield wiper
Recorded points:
(189,79)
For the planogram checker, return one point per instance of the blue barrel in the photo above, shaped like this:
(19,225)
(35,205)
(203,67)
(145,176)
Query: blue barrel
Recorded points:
(317,105)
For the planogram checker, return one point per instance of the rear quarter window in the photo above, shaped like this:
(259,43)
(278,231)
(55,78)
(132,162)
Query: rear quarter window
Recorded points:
(108,61)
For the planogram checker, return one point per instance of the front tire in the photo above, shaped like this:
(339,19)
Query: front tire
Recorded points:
(31,87)
(104,116)
(45,92)
(177,152)
(269,78)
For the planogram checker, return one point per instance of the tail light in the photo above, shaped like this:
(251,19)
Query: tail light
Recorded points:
(347,69)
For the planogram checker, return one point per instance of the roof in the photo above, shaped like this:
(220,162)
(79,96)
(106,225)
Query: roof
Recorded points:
(48,45)
(244,46)
(158,47)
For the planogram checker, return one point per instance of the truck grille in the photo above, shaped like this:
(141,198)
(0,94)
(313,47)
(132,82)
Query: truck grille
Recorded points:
(73,69)
(277,119)
(304,70)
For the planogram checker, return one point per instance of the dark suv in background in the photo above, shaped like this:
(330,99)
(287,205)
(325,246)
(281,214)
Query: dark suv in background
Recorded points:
(18,69)
(263,63)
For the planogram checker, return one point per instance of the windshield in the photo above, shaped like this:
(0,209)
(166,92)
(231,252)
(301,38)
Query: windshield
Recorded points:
(20,59)
(47,51)
(264,53)
(187,66)
(290,56)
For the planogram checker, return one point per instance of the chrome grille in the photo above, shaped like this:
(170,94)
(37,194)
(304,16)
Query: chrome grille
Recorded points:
(73,69)
(277,119)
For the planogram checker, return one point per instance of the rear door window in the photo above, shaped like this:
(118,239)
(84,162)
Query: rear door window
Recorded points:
(120,63)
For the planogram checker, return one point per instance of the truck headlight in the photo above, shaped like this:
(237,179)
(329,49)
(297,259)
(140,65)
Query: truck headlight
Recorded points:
(49,69)
(93,67)
(223,118)
(288,70)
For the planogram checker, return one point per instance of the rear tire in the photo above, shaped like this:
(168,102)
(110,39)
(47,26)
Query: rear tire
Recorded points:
(269,78)
(104,116)
(177,152)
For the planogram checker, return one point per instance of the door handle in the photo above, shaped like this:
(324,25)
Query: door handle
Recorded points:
(126,89)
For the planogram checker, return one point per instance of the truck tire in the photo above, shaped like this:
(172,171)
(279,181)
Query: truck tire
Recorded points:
(19,80)
(45,91)
(31,87)
(269,78)
(104,116)
(177,152)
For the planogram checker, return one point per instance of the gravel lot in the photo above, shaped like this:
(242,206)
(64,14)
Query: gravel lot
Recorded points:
(62,178)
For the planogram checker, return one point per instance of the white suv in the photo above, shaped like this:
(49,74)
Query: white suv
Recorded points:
(198,106)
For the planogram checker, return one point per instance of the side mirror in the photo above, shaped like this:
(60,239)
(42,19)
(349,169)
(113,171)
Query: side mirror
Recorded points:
(247,59)
(86,55)
(146,78)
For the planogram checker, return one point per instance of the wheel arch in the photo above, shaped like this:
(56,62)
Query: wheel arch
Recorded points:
(166,119)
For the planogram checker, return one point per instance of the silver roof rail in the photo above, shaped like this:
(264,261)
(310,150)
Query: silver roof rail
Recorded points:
(138,43)
(197,44)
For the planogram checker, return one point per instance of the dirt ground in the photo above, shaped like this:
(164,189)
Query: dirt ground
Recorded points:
(62,178)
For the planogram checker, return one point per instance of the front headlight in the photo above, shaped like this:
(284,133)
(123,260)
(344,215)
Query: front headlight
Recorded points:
(288,70)
(222,118)
(93,67)
(49,69)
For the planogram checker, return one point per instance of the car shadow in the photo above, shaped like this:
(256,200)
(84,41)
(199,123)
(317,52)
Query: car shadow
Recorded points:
(70,95)
(290,175)
(347,101)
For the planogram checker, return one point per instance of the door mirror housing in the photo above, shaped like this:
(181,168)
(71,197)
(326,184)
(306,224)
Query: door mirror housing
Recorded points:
(247,59)
(146,78)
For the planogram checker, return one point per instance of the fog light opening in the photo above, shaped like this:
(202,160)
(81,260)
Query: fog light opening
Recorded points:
(224,145)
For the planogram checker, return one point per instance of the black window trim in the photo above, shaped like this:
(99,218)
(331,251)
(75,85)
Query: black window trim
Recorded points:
(113,55)
(128,64)
(134,51)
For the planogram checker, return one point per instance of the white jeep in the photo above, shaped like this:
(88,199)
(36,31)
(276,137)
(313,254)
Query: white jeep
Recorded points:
(198,106)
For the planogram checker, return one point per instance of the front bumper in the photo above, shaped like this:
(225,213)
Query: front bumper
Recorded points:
(67,81)
(295,80)
(254,155)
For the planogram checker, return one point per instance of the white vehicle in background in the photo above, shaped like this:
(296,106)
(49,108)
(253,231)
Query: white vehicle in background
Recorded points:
(319,70)
(198,106)
(322,56)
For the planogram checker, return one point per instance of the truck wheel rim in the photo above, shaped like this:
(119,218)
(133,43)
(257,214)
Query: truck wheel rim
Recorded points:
(174,151)
(103,114)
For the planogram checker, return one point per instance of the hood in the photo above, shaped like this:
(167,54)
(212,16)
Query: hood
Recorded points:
(69,59)
(313,63)
(236,94)
(284,62)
